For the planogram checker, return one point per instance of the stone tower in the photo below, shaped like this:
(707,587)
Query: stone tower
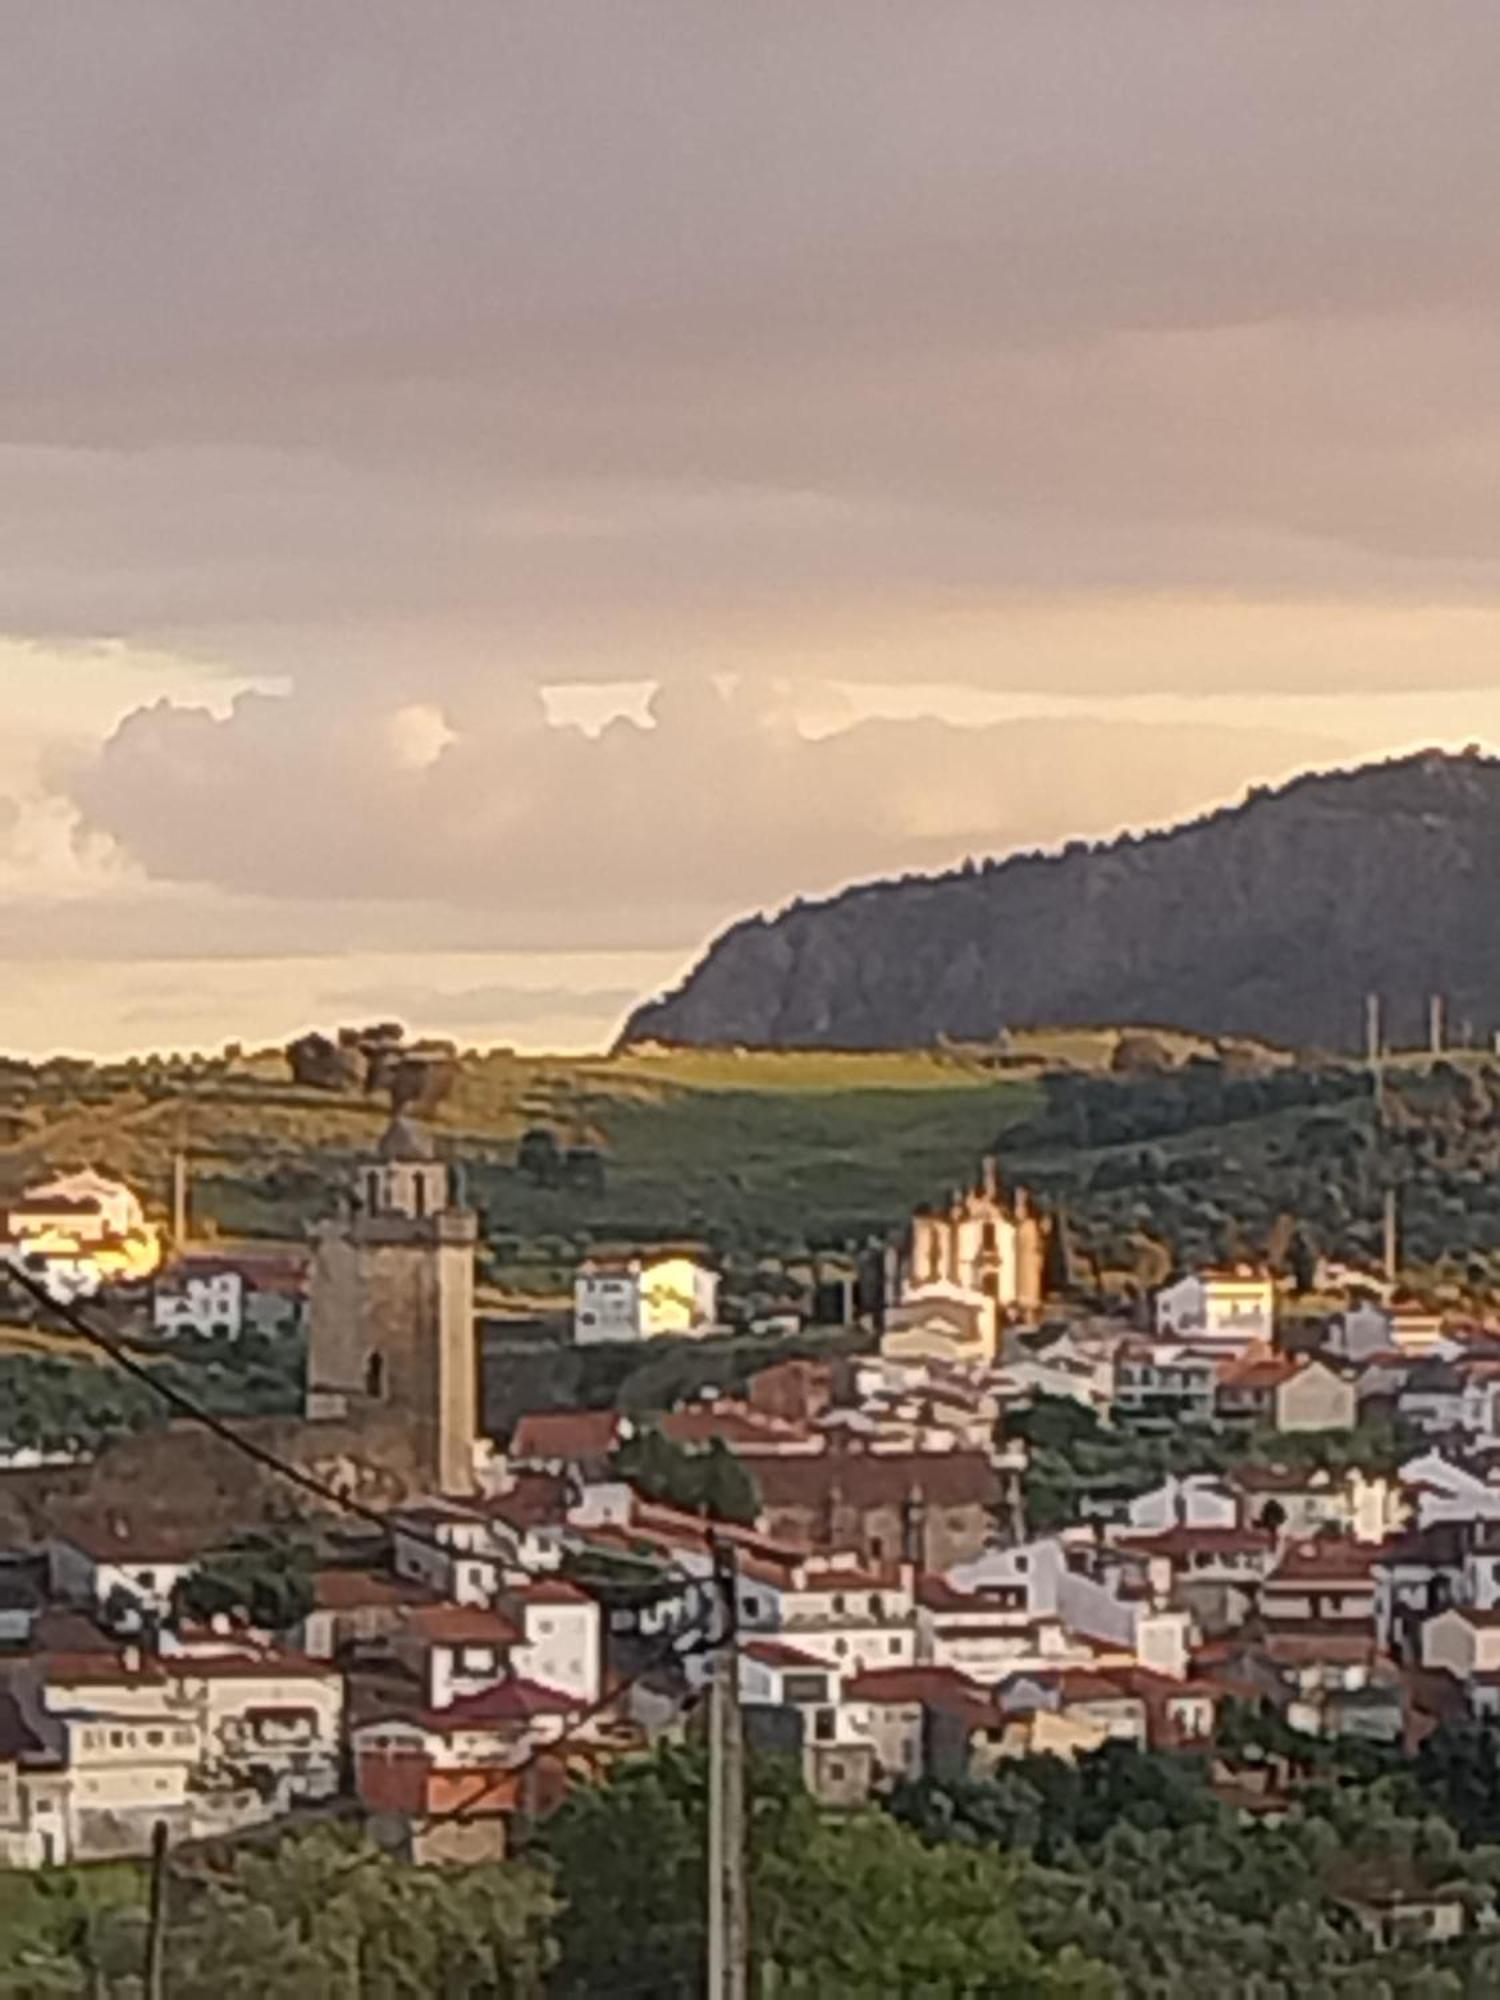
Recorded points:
(391,1312)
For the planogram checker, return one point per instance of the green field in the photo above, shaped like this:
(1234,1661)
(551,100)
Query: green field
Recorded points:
(768,1155)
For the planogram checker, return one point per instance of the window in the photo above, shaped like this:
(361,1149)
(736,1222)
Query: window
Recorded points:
(153,1737)
(146,1578)
(117,1739)
(838,1604)
(375,1375)
(835,1771)
(877,1607)
(893,1645)
(823,1725)
(841,1648)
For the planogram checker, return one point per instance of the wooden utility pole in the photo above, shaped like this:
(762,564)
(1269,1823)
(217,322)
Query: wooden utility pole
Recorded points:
(1435,1025)
(1391,1236)
(156,1916)
(728,1889)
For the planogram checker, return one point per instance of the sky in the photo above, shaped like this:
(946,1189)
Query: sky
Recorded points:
(489,493)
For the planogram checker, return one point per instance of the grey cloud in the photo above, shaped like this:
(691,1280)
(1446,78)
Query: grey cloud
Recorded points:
(437,344)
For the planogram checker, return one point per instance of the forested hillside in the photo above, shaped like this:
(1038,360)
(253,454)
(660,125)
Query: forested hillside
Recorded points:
(1274,919)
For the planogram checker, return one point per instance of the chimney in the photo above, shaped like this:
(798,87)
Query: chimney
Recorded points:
(991,1177)
(131,1659)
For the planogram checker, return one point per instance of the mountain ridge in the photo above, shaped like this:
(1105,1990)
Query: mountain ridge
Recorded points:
(1270,918)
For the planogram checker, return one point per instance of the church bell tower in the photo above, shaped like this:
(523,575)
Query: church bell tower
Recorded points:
(391,1311)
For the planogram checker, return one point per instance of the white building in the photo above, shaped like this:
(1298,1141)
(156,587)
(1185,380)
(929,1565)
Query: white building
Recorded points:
(643,1298)
(851,1617)
(210,1304)
(122,1575)
(89,1207)
(1234,1308)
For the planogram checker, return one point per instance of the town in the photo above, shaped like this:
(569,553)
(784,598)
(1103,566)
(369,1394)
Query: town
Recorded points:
(992,1522)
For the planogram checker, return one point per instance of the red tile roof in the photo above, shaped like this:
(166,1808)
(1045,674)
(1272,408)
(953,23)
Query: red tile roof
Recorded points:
(933,1687)
(545,1436)
(774,1653)
(362,1589)
(1175,1542)
(462,1625)
(862,1479)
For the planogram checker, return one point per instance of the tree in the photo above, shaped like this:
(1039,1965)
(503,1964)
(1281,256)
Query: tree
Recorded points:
(861,1906)
(711,1480)
(266,1580)
(327,1914)
(538,1156)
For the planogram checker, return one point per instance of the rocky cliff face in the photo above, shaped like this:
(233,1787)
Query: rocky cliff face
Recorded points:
(1271,919)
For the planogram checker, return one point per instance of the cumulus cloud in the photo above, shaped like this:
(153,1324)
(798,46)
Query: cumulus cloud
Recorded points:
(637,834)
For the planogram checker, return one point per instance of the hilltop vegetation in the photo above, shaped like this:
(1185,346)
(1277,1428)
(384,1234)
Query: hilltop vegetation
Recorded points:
(1158,1149)
(1272,919)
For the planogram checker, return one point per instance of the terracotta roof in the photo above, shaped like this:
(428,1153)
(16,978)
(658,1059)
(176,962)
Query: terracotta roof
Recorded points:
(774,1653)
(876,1479)
(550,1590)
(569,1435)
(822,1577)
(1264,1372)
(1174,1542)
(513,1700)
(933,1687)
(1311,1642)
(1325,1560)
(745,1429)
(536,1499)
(462,1625)
(1084,1684)
(116,1537)
(938,1594)
(360,1589)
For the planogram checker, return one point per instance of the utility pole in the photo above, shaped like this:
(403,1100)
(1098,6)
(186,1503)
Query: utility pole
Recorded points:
(1375,1054)
(1392,1236)
(728,1888)
(179,1201)
(156,1916)
(1435,1028)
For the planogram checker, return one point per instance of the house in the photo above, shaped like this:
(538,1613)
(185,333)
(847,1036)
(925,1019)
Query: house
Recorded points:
(900,1712)
(1285,1393)
(455,1650)
(89,1207)
(225,1293)
(643,1297)
(561,1638)
(1222,1307)
(355,1609)
(932,1509)
(1054,1363)
(1324,1581)
(852,1617)
(451,1548)
(941,1322)
(208,1743)
(1465,1642)
(1303,1501)
(1165,1383)
(1218,1571)
(124,1572)
(81,1232)
(1199,1501)
(1417,1574)
(457,1775)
